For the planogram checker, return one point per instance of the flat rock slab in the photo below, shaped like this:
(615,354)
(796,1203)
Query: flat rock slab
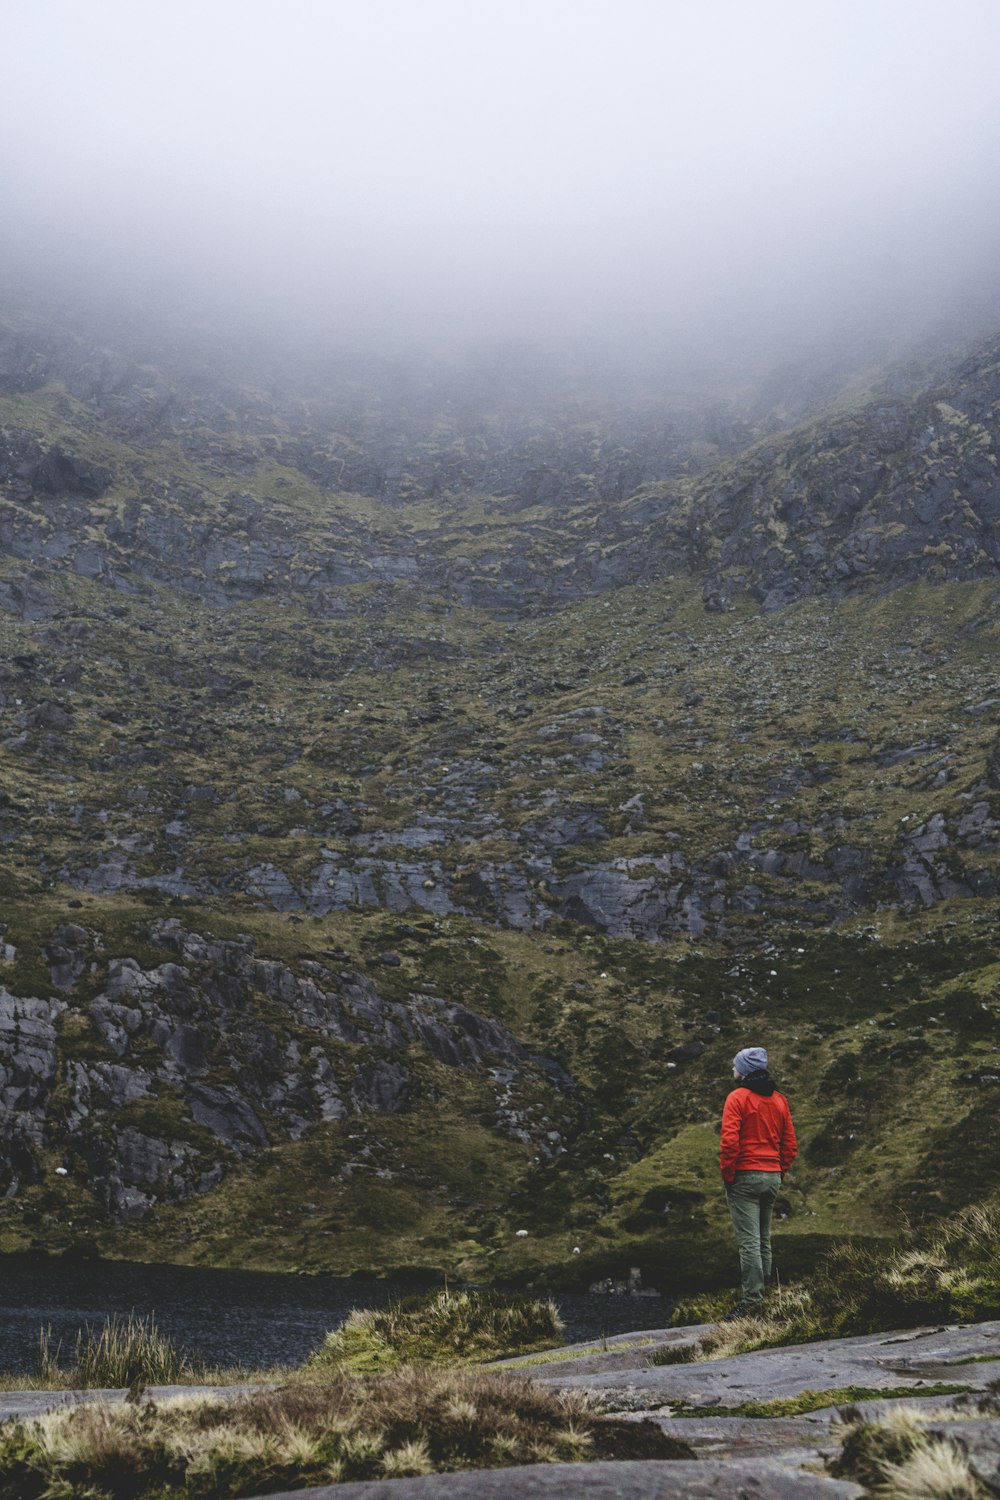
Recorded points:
(24,1405)
(795,1440)
(623,1351)
(707,1479)
(872,1361)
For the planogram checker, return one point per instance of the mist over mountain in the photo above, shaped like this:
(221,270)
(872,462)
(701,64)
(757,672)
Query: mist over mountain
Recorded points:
(673,184)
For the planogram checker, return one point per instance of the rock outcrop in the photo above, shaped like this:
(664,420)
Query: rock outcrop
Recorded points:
(180,1070)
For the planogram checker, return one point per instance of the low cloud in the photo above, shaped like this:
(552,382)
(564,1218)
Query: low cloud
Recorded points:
(695,178)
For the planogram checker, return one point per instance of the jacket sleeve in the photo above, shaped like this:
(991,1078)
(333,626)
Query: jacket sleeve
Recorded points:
(789,1149)
(729,1145)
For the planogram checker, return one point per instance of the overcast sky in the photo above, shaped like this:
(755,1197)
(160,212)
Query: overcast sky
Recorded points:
(479,166)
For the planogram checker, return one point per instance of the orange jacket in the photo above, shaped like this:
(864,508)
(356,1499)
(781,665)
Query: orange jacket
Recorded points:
(757,1133)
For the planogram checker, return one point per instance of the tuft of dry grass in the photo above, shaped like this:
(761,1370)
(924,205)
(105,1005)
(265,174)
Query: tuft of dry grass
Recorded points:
(123,1352)
(934,1471)
(407,1422)
(445,1328)
(126,1353)
(785,1318)
(894,1458)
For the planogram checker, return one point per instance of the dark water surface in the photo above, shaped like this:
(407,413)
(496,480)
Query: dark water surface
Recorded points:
(232,1317)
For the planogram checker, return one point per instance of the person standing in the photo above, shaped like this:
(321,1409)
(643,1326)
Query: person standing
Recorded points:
(758,1144)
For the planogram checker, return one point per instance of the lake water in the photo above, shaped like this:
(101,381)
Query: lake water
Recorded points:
(232,1317)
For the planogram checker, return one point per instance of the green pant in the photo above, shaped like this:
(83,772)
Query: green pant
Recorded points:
(751,1197)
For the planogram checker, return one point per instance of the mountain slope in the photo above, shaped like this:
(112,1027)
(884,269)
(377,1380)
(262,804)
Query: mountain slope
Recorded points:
(480,830)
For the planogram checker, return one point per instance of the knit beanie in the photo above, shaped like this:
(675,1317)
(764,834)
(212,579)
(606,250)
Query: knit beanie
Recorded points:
(750,1060)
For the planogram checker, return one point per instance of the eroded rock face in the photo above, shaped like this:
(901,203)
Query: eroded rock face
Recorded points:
(28,1069)
(858,497)
(862,496)
(131,1171)
(205,1064)
(648,897)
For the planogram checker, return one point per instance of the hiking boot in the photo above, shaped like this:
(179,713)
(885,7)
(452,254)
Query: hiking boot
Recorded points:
(742,1310)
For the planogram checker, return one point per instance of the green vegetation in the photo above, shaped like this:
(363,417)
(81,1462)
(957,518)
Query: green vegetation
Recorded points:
(807,1401)
(576,1351)
(444,1328)
(447,1328)
(126,1353)
(949,1274)
(406,1422)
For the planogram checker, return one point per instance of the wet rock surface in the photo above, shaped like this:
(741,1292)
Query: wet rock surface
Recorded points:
(872,1360)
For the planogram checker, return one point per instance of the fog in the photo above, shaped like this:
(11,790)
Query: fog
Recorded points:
(691,175)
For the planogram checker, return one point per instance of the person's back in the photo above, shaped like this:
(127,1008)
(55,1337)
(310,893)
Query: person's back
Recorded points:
(757,1146)
(757,1131)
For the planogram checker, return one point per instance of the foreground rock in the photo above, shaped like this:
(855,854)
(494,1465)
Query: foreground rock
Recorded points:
(875,1361)
(775,1458)
(739,1456)
(641,1480)
(24,1406)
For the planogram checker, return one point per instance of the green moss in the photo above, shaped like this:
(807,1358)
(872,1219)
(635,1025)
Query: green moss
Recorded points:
(167,1118)
(807,1401)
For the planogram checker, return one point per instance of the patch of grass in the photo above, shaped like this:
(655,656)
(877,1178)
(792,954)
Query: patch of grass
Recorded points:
(447,1327)
(408,1422)
(949,1273)
(420,1213)
(895,1457)
(123,1352)
(127,1353)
